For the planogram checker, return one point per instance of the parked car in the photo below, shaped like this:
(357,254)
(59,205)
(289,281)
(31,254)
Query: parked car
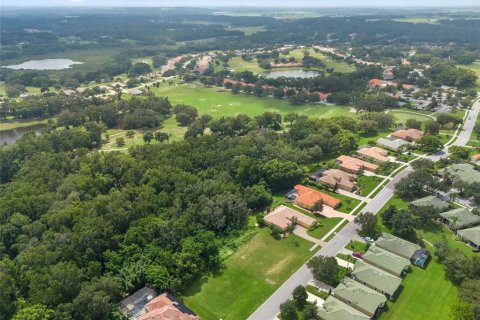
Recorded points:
(369,240)
(358,255)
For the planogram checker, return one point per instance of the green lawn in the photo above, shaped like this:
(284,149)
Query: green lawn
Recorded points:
(356,246)
(248,277)
(217,102)
(403,115)
(368,183)
(8,125)
(339,66)
(426,295)
(239,65)
(324,225)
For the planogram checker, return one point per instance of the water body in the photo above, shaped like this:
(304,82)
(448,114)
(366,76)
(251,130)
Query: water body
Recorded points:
(11,136)
(292,74)
(45,64)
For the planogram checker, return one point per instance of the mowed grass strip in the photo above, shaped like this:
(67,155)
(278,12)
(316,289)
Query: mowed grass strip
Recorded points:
(249,277)
(426,295)
(218,103)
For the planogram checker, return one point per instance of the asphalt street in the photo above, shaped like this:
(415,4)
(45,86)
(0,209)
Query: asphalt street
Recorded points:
(270,308)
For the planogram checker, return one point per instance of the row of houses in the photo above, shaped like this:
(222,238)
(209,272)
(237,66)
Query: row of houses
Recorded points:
(375,279)
(460,220)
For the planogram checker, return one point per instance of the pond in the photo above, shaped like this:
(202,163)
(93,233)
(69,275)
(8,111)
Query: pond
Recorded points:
(11,136)
(292,74)
(45,64)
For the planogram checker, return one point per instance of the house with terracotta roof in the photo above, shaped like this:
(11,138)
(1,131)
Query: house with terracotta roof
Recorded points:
(355,165)
(307,197)
(475,157)
(376,83)
(374,153)
(283,217)
(145,304)
(338,179)
(323,96)
(408,134)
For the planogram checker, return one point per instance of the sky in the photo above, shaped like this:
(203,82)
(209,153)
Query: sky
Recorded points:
(230,3)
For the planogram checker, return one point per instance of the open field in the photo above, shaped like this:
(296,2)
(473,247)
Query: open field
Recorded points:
(250,30)
(248,277)
(404,115)
(239,65)
(216,103)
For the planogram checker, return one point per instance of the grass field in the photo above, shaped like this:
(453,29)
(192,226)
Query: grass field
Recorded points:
(426,295)
(367,184)
(248,31)
(248,278)
(402,116)
(216,103)
(324,225)
(239,65)
(339,66)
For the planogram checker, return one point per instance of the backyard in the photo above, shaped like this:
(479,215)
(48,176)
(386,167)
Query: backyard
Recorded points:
(248,277)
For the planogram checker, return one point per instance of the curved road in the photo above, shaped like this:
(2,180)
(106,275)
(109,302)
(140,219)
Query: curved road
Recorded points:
(270,308)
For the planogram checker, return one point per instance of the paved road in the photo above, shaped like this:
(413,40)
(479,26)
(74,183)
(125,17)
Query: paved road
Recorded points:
(270,308)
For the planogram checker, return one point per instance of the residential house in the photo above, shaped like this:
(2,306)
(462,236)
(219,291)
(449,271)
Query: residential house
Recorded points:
(396,145)
(334,309)
(475,157)
(430,201)
(359,296)
(407,134)
(386,261)
(374,153)
(145,304)
(376,83)
(355,165)
(465,172)
(338,179)
(307,197)
(388,75)
(403,248)
(459,218)
(376,279)
(283,217)
(471,236)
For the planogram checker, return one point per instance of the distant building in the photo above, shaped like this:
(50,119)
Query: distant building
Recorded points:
(134,91)
(374,153)
(145,304)
(355,165)
(388,75)
(396,145)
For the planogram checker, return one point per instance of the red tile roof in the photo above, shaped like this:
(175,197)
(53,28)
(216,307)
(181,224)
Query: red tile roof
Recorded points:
(164,308)
(307,197)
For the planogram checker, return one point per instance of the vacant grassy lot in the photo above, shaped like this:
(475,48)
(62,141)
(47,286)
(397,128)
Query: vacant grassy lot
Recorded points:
(239,65)
(218,103)
(324,225)
(248,278)
(368,183)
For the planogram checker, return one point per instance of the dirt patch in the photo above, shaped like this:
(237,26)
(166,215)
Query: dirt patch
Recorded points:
(278,267)
(270,281)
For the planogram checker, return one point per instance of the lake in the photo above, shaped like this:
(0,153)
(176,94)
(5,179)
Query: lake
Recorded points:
(45,64)
(292,74)
(11,136)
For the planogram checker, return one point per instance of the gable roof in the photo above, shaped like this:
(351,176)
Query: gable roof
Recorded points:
(334,309)
(355,164)
(463,172)
(376,277)
(460,218)
(430,201)
(397,245)
(374,153)
(307,197)
(471,234)
(359,295)
(386,260)
(282,217)
(166,307)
